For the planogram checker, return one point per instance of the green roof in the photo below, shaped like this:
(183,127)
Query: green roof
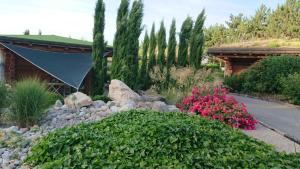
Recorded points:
(50,39)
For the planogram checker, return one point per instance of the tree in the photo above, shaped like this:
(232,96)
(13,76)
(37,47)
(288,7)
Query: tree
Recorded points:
(143,73)
(184,39)
(99,70)
(172,45)
(120,43)
(134,25)
(197,41)
(161,44)
(152,48)
(259,22)
(40,32)
(27,32)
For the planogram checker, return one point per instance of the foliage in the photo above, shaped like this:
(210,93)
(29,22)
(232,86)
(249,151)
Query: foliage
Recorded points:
(101,97)
(234,83)
(212,66)
(218,106)
(29,101)
(172,43)
(184,41)
(99,63)
(152,48)
(161,46)
(264,77)
(143,73)
(291,87)
(197,42)
(53,97)
(3,95)
(147,139)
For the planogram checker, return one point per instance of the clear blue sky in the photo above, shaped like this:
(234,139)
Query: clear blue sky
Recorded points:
(74,18)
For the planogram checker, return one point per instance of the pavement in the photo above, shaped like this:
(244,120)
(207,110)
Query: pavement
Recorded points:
(283,119)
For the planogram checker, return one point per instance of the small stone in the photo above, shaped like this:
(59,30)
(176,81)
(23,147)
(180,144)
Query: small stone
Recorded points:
(58,104)
(6,156)
(110,103)
(98,103)
(114,109)
(160,106)
(12,129)
(173,108)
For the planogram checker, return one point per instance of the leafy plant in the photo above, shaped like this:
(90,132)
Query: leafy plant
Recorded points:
(147,139)
(101,97)
(218,106)
(291,87)
(29,101)
(234,83)
(3,95)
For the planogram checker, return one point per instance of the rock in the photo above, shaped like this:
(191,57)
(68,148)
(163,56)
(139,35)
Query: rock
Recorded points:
(114,109)
(58,104)
(147,98)
(128,105)
(160,106)
(173,108)
(98,103)
(2,150)
(120,92)
(12,129)
(78,100)
(6,157)
(110,103)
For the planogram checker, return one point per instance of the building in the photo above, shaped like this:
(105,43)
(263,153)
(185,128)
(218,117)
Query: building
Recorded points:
(63,63)
(238,59)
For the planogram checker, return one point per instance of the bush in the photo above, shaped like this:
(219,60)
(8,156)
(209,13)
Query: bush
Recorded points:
(218,106)
(3,95)
(147,139)
(29,101)
(291,88)
(101,97)
(264,77)
(53,97)
(234,83)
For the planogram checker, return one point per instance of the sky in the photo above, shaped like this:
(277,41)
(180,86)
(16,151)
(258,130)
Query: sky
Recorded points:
(74,18)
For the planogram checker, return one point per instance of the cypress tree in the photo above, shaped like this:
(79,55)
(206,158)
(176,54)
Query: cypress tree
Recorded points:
(143,73)
(172,44)
(184,39)
(120,43)
(99,70)
(152,48)
(161,43)
(197,41)
(134,25)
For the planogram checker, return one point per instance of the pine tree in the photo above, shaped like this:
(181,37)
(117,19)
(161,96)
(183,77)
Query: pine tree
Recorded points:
(118,66)
(259,22)
(172,45)
(134,25)
(152,48)
(99,72)
(197,41)
(161,44)
(184,40)
(143,73)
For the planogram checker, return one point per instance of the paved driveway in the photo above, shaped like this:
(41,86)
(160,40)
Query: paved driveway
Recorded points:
(282,117)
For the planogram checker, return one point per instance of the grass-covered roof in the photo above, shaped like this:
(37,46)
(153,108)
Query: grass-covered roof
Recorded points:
(265,43)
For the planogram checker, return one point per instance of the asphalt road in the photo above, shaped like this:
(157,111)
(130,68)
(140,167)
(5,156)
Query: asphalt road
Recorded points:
(282,117)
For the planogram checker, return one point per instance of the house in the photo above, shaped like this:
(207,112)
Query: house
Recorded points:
(239,57)
(63,63)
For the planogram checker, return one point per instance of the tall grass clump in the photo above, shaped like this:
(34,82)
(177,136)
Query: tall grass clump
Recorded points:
(30,98)
(3,95)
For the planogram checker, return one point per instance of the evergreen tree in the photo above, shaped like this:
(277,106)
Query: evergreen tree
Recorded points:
(144,79)
(172,45)
(119,65)
(134,25)
(184,40)
(161,44)
(259,22)
(197,41)
(99,73)
(152,48)
(27,32)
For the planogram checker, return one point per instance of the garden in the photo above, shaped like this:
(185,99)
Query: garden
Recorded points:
(163,107)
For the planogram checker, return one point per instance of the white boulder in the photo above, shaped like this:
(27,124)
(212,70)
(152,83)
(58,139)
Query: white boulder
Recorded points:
(78,100)
(120,92)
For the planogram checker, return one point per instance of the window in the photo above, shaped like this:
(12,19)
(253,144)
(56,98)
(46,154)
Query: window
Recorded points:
(1,66)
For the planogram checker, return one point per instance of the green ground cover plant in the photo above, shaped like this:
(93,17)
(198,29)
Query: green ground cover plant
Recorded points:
(291,87)
(101,97)
(147,139)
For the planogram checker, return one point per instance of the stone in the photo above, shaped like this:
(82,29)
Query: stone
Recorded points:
(160,106)
(98,103)
(114,109)
(12,129)
(120,92)
(173,108)
(78,100)
(58,104)
(110,103)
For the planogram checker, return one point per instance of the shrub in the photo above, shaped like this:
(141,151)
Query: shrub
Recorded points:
(234,83)
(29,100)
(220,107)
(3,95)
(291,88)
(101,97)
(53,97)
(265,76)
(147,139)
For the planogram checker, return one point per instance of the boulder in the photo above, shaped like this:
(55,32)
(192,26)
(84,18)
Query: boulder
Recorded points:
(98,103)
(120,92)
(160,106)
(78,100)
(58,104)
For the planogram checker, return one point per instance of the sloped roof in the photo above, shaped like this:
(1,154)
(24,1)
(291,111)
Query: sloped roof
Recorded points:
(70,68)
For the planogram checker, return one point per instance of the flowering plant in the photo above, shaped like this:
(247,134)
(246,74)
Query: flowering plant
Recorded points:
(218,106)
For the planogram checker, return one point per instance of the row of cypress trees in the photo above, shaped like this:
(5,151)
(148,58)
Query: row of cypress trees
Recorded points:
(156,51)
